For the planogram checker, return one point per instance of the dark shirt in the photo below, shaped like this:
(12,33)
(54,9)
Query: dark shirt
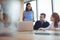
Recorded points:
(40,24)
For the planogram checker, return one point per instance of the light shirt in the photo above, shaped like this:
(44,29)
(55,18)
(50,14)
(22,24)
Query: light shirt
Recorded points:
(52,26)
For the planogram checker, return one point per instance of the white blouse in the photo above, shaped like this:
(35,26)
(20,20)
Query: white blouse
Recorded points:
(51,26)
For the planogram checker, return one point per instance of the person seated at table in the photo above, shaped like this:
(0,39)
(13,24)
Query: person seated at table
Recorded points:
(55,25)
(42,23)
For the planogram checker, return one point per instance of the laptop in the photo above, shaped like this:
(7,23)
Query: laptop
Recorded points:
(25,26)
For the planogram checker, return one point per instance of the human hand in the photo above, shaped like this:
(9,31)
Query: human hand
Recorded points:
(41,29)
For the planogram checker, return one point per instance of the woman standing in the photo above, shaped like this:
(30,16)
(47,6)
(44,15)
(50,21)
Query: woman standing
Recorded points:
(28,13)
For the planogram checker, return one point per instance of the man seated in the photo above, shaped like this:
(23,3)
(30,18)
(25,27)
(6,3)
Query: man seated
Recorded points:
(42,23)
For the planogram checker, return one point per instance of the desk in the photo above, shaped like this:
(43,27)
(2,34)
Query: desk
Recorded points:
(35,35)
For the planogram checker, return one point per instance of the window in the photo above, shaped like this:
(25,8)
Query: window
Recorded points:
(56,6)
(33,4)
(44,6)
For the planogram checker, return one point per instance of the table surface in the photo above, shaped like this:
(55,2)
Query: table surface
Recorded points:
(35,35)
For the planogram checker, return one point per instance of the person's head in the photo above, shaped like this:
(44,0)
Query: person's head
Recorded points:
(28,7)
(5,17)
(55,19)
(42,16)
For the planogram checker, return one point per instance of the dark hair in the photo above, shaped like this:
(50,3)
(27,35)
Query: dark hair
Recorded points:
(56,18)
(4,15)
(27,5)
(43,14)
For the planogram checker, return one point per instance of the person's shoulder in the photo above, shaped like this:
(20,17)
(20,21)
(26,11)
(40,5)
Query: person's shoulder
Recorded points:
(25,11)
(37,21)
(32,11)
(59,22)
(46,21)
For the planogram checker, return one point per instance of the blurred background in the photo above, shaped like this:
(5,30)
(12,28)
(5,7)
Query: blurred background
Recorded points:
(15,8)
(13,11)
